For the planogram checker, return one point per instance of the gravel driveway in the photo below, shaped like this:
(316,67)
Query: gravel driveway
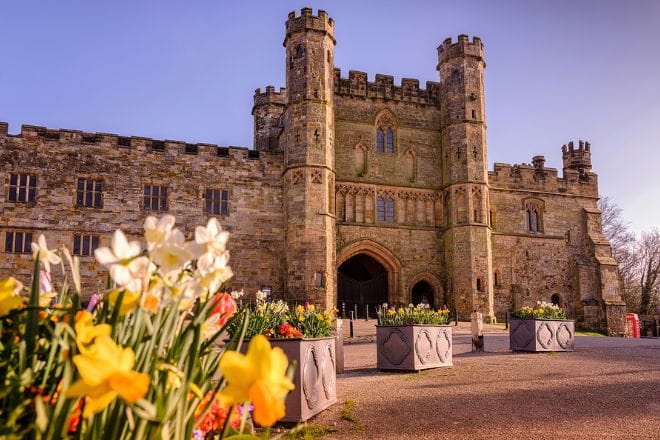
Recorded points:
(606,388)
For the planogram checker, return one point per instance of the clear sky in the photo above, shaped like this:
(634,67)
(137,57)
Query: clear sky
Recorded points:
(557,71)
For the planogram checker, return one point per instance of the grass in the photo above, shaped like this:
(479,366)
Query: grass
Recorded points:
(587,332)
(348,415)
(310,432)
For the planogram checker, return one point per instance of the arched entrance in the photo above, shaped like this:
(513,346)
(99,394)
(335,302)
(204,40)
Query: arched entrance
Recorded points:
(426,288)
(422,293)
(387,266)
(361,282)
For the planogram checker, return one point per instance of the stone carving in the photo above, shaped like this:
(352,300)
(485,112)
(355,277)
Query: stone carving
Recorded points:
(443,344)
(317,176)
(423,346)
(328,372)
(542,335)
(413,347)
(395,346)
(310,376)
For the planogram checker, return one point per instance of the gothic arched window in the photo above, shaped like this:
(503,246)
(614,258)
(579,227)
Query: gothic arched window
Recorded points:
(534,215)
(380,140)
(385,132)
(390,141)
(385,209)
(389,210)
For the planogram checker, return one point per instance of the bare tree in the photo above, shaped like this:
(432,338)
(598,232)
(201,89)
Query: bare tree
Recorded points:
(648,257)
(623,243)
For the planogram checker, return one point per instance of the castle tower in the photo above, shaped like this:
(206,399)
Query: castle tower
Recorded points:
(579,160)
(468,255)
(309,173)
(267,111)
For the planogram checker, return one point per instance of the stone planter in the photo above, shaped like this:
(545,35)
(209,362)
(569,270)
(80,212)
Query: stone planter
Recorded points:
(315,377)
(413,347)
(542,334)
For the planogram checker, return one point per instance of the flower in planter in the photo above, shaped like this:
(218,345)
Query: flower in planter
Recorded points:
(421,314)
(543,310)
(259,377)
(288,331)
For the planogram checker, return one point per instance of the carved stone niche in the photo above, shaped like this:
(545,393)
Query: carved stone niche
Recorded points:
(315,378)
(542,334)
(413,347)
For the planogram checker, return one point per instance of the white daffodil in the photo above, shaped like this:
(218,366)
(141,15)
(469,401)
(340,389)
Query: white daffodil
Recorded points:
(40,252)
(210,241)
(170,254)
(237,294)
(261,296)
(211,277)
(74,264)
(157,230)
(118,257)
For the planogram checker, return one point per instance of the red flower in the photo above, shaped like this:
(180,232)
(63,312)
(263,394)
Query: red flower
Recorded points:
(74,420)
(224,306)
(289,331)
(214,420)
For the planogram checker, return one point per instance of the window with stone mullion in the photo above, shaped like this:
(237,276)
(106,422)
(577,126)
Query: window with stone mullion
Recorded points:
(22,188)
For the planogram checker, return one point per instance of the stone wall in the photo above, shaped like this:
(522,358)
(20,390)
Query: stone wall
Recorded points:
(59,157)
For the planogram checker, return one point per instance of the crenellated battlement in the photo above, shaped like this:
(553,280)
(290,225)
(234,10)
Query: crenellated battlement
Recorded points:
(307,21)
(577,159)
(537,177)
(463,47)
(357,84)
(33,135)
(270,96)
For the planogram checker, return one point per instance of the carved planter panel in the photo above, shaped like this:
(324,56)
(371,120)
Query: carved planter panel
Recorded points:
(413,347)
(315,378)
(542,335)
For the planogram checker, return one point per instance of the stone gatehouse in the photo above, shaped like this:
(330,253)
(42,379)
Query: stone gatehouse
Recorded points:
(356,192)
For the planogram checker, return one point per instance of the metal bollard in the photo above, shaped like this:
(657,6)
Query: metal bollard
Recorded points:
(350,326)
(355,315)
(366,312)
(506,320)
(456,322)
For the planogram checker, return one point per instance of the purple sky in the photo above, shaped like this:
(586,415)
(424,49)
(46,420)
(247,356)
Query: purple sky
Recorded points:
(186,70)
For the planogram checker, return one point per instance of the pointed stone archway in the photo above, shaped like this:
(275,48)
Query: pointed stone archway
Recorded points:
(371,250)
(415,286)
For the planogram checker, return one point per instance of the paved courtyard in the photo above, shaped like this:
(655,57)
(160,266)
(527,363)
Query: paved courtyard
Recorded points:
(606,388)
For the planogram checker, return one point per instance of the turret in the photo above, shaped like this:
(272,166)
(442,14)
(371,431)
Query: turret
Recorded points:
(309,174)
(267,111)
(465,176)
(579,160)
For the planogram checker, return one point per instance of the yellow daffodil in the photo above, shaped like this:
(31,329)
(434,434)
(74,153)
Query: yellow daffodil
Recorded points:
(260,377)
(128,303)
(86,331)
(105,373)
(9,295)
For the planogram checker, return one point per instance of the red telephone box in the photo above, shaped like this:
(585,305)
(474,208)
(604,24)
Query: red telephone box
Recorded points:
(632,319)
